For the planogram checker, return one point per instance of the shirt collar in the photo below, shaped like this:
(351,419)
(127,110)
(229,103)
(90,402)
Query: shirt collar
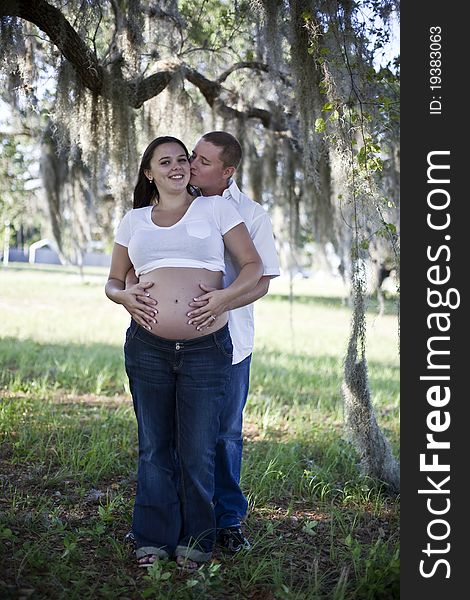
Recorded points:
(232,191)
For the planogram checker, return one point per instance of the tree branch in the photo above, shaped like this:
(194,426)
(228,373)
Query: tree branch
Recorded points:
(142,90)
(212,90)
(209,89)
(51,21)
(259,66)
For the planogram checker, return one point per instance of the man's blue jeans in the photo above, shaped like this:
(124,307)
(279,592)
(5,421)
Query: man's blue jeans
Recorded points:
(178,389)
(230,502)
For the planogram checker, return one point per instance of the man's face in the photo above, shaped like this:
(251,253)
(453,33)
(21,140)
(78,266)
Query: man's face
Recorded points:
(207,170)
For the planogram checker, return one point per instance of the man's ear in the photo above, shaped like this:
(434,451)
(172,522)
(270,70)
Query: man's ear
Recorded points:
(228,172)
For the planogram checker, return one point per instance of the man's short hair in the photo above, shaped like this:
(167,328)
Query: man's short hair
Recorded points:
(231,154)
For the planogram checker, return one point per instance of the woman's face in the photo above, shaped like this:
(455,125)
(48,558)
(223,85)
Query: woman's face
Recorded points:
(169,167)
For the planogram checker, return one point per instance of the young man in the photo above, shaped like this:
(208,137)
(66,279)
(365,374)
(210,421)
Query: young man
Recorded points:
(214,161)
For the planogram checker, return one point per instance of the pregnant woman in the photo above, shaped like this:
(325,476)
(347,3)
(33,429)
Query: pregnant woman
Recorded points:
(178,374)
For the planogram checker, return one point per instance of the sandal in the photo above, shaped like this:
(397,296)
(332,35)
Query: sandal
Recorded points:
(148,555)
(147,561)
(186,564)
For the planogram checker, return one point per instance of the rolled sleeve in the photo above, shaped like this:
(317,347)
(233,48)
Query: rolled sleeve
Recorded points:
(261,233)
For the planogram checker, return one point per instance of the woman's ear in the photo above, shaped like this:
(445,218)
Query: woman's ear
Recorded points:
(148,174)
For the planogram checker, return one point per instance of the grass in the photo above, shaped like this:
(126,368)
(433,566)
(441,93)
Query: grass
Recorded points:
(320,530)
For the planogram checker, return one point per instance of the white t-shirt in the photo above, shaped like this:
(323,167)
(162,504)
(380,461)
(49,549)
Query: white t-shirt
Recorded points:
(258,223)
(194,241)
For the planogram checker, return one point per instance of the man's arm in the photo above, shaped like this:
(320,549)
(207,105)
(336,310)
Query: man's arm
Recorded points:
(258,292)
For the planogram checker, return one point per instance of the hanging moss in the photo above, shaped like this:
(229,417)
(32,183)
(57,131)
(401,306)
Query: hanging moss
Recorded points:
(272,38)
(374,450)
(242,136)
(253,162)
(53,168)
(12,43)
(270,163)
(307,79)
(79,207)
(134,38)
(17,65)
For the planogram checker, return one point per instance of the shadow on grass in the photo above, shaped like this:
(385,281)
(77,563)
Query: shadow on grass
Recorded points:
(314,381)
(284,378)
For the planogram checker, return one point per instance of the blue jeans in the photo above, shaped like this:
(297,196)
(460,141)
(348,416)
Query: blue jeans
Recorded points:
(230,502)
(178,390)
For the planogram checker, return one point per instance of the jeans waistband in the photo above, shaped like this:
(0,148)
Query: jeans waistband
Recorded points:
(199,343)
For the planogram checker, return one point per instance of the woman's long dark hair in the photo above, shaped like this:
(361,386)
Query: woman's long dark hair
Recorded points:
(145,191)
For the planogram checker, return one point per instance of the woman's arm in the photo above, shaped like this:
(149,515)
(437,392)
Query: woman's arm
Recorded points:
(240,245)
(135,299)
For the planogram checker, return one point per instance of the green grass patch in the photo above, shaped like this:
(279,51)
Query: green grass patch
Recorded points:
(68,453)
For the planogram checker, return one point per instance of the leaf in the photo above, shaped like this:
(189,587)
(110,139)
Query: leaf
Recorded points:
(334,116)
(320,125)
(6,533)
(309,527)
(327,106)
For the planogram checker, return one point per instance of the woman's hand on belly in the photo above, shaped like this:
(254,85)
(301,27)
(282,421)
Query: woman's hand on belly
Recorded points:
(211,304)
(140,305)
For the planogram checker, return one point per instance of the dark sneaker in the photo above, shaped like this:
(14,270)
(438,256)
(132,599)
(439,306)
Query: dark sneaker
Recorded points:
(129,540)
(233,540)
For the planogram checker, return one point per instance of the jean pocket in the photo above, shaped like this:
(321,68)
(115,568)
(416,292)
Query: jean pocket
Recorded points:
(225,346)
(131,331)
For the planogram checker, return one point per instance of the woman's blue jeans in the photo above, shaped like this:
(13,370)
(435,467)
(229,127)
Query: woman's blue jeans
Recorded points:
(178,390)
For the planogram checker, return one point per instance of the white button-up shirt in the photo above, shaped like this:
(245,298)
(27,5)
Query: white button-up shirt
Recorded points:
(258,223)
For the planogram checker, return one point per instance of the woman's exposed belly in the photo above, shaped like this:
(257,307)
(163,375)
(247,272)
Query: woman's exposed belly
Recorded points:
(174,288)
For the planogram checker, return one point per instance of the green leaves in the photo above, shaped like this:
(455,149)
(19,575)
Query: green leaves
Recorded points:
(309,527)
(387,229)
(368,156)
(320,122)
(320,125)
